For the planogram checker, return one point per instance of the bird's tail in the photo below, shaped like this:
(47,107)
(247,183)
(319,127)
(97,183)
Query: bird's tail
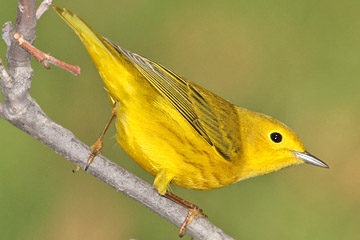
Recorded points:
(87,35)
(110,63)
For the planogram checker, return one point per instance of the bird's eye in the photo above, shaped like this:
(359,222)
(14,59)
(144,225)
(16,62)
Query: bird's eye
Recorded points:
(276,137)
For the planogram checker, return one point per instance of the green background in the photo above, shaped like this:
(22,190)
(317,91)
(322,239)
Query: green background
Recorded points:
(297,61)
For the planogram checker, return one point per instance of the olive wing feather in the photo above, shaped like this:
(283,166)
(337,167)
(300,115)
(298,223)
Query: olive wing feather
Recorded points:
(214,118)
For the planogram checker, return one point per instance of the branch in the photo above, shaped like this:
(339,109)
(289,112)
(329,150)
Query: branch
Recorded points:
(21,110)
(25,25)
(44,6)
(43,58)
(2,110)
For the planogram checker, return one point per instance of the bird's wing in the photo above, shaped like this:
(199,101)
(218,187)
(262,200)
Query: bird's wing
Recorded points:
(214,118)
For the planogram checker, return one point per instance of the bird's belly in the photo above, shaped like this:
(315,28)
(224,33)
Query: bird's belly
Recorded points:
(158,138)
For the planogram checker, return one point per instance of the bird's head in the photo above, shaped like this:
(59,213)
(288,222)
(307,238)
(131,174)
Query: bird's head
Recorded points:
(269,145)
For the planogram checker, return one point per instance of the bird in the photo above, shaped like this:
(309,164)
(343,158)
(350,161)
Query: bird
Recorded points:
(180,132)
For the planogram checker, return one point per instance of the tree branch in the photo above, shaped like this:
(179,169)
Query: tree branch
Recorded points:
(44,6)
(21,110)
(2,110)
(43,58)
(25,25)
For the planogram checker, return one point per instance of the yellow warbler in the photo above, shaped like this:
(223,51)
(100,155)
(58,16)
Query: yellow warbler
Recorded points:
(180,132)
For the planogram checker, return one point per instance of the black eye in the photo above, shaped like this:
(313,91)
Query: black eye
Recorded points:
(276,137)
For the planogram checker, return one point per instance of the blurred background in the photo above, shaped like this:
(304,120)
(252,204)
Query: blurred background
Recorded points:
(297,61)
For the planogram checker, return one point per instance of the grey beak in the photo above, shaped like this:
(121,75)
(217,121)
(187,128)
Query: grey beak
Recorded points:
(308,158)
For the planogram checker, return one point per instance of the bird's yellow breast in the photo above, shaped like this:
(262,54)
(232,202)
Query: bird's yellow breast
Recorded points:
(158,138)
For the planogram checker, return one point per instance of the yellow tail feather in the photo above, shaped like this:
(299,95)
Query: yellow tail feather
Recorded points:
(81,28)
(110,64)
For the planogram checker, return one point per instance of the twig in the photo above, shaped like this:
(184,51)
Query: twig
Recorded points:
(44,58)
(44,6)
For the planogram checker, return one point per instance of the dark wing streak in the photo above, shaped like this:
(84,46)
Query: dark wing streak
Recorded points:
(175,92)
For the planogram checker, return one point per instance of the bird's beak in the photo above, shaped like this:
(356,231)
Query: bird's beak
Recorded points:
(308,158)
